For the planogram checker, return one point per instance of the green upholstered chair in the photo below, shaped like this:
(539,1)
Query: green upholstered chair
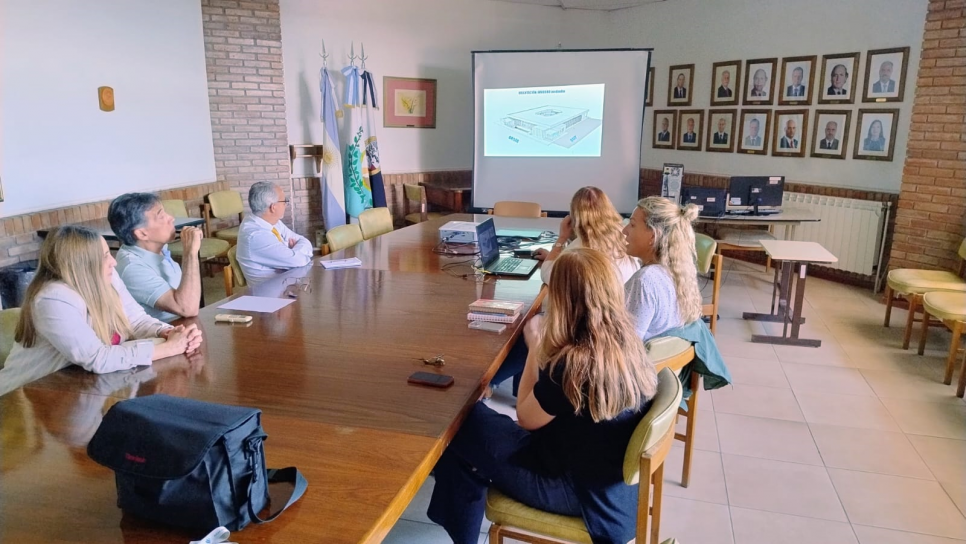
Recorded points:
(675,354)
(911,284)
(343,236)
(950,308)
(233,272)
(8,325)
(211,248)
(223,205)
(417,194)
(707,258)
(375,221)
(643,462)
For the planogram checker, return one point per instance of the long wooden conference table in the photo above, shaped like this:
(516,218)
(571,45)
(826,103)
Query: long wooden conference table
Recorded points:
(329,374)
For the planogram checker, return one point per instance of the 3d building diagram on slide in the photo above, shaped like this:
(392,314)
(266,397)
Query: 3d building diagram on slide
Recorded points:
(552,124)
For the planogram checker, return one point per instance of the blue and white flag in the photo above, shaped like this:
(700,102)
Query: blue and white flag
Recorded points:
(333,187)
(369,104)
(358,193)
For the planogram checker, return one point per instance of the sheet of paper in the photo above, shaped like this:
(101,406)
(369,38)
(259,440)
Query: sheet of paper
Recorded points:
(341,263)
(248,303)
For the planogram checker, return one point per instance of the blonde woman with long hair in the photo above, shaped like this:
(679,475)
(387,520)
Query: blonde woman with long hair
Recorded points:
(664,293)
(77,311)
(585,387)
(593,223)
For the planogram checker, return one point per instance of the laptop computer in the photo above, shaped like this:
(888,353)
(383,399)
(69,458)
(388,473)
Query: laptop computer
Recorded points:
(490,254)
(710,202)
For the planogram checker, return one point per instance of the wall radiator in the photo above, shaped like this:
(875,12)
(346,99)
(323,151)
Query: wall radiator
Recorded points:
(853,230)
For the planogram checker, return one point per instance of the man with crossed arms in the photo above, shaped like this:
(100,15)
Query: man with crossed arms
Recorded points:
(265,245)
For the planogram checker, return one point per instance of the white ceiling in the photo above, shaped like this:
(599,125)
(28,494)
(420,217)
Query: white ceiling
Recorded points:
(599,5)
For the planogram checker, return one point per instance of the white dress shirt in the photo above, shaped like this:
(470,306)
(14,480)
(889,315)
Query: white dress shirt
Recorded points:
(260,253)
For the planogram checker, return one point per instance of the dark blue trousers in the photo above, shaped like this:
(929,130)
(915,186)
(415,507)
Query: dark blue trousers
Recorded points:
(487,451)
(513,365)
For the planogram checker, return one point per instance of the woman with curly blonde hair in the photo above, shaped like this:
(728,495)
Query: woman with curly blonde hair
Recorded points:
(593,223)
(664,293)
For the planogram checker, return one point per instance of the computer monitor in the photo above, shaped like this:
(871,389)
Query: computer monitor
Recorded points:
(755,194)
(710,201)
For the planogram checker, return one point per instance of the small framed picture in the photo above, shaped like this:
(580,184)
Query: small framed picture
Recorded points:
(650,88)
(760,82)
(721,130)
(665,123)
(409,102)
(798,74)
(753,131)
(725,83)
(690,123)
(679,85)
(875,137)
(885,75)
(790,133)
(830,137)
(837,85)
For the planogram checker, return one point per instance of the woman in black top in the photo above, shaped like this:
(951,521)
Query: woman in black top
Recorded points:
(586,385)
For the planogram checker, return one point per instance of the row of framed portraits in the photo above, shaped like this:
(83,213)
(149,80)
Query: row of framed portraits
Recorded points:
(885,80)
(786,130)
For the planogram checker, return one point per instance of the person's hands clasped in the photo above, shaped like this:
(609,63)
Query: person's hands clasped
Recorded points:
(182,339)
(191,239)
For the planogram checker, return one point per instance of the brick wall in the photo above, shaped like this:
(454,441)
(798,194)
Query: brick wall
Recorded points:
(243,53)
(932,202)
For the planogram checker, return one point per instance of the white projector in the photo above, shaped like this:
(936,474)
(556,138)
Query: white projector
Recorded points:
(458,232)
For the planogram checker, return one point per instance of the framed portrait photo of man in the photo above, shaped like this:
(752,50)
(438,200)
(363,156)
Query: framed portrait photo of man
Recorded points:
(798,74)
(885,75)
(753,131)
(690,123)
(721,130)
(679,85)
(726,83)
(759,82)
(665,124)
(790,133)
(875,134)
(830,135)
(837,85)
(649,102)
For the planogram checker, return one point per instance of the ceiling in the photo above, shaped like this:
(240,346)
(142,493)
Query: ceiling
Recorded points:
(598,5)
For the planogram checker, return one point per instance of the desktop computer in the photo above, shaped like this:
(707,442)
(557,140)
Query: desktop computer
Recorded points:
(756,195)
(710,201)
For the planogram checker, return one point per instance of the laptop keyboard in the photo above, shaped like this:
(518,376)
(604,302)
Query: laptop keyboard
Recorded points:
(507,264)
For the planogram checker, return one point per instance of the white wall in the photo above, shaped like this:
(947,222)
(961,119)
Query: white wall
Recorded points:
(703,32)
(58,148)
(414,38)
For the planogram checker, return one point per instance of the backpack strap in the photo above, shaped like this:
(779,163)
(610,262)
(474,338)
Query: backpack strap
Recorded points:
(280,475)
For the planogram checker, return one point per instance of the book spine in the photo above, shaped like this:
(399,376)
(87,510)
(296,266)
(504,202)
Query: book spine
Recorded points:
(491,317)
(489,310)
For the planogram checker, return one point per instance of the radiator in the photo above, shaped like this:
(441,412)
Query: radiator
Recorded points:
(853,230)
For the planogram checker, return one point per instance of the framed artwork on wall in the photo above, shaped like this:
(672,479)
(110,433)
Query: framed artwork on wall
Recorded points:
(830,136)
(721,130)
(798,75)
(690,124)
(875,135)
(665,124)
(837,85)
(885,75)
(679,82)
(409,102)
(753,132)
(649,102)
(725,83)
(759,82)
(790,133)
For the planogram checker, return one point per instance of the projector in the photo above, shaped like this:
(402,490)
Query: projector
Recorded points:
(458,232)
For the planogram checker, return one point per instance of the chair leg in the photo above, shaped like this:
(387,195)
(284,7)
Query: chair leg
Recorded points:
(957,329)
(656,508)
(914,301)
(767,264)
(925,330)
(495,536)
(644,499)
(226,272)
(691,424)
(961,389)
(889,301)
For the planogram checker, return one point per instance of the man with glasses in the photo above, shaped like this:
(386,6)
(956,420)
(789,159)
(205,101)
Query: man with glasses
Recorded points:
(265,244)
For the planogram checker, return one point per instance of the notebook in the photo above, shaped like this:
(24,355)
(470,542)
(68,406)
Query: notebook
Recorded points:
(491,306)
(491,317)
(490,254)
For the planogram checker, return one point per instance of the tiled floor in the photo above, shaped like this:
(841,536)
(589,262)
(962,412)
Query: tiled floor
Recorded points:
(857,441)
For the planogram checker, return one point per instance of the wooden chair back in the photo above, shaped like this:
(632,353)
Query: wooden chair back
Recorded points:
(512,208)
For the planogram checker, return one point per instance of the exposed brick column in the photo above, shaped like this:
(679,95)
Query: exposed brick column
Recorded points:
(243,52)
(930,220)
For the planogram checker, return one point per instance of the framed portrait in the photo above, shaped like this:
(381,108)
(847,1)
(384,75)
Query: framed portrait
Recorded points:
(753,132)
(665,125)
(885,75)
(679,85)
(650,88)
(721,130)
(837,85)
(409,102)
(830,136)
(759,82)
(790,133)
(690,123)
(726,83)
(875,135)
(798,75)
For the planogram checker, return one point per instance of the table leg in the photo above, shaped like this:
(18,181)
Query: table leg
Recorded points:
(796,319)
(781,287)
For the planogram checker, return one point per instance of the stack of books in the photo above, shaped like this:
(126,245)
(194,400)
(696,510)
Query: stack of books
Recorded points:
(496,311)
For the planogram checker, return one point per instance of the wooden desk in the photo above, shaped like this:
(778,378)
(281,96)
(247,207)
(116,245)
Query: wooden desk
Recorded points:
(329,373)
(456,199)
(789,217)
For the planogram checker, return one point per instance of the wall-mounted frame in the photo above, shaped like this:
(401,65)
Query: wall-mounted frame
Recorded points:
(726,83)
(798,77)
(649,102)
(888,81)
(409,102)
(875,134)
(721,130)
(679,82)
(791,133)
(665,127)
(753,132)
(759,82)
(690,126)
(830,134)
(839,74)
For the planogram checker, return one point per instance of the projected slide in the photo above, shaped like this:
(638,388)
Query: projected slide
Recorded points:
(562,121)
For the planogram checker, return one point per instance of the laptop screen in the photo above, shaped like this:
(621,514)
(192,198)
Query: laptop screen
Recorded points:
(486,238)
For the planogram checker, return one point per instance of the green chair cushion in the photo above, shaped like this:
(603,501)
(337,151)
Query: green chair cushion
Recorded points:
(417,217)
(230,234)
(210,247)
(706,247)
(911,280)
(503,510)
(945,305)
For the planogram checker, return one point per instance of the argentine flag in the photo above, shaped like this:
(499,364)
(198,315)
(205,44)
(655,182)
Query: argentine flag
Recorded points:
(333,187)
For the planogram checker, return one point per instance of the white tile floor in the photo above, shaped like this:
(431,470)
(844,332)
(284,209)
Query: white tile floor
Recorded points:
(855,442)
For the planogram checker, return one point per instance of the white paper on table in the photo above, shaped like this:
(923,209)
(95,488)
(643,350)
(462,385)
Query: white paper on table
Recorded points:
(351,262)
(249,303)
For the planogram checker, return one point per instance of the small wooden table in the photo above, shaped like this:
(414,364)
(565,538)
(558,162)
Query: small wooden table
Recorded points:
(792,255)
(456,199)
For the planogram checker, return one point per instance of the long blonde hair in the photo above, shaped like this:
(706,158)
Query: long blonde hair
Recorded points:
(597,223)
(73,255)
(588,329)
(675,249)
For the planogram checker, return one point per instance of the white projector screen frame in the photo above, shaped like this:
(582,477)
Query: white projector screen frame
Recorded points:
(594,101)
